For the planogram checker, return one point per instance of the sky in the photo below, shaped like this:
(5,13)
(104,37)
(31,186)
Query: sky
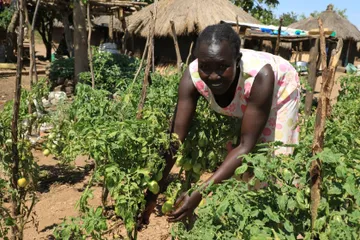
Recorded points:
(308,6)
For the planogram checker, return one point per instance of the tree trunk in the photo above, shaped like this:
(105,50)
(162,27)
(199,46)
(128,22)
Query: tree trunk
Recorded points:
(80,39)
(68,34)
(11,38)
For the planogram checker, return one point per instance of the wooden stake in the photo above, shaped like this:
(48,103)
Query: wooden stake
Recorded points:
(15,120)
(314,54)
(148,65)
(278,38)
(89,47)
(176,43)
(111,28)
(237,25)
(190,52)
(142,58)
(153,38)
(300,51)
(322,112)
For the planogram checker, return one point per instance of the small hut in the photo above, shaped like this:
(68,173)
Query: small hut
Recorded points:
(190,17)
(344,29)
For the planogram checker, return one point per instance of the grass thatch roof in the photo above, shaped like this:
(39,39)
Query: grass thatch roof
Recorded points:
(343,28)
(189,16)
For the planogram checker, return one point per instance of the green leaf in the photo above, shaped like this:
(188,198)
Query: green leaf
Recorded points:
(350,185)
(282,201)
(259,174)
(240,170)
(288,226)
(272,215)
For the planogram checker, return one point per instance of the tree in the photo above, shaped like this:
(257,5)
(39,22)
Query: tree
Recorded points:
(45,25)
(288,18)
(316,14)
(260,9)
(80,38)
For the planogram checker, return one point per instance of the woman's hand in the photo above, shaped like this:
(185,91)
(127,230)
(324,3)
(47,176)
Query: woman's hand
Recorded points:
(185,205)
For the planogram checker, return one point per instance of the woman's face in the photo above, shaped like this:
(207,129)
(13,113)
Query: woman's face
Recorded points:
(217,66)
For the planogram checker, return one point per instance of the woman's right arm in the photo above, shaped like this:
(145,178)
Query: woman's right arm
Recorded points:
(184,113)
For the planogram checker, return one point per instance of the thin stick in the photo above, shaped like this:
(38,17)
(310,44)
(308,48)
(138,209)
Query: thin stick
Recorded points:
(89,47)
(176,43)
(153,39)
(142,58)
(148,65)
(237,24)
(278,38)
(15,120)
(189,55)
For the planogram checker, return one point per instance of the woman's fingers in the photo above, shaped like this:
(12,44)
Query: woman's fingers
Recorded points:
(179,200)
(179,216)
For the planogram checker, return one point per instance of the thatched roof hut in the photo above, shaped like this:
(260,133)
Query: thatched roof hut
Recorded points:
(189,16)
(344,29)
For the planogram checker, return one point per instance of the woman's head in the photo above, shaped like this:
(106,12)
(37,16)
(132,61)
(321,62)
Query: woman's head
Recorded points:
(218,52)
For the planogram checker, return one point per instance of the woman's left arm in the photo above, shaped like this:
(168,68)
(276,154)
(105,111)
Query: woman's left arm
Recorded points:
(253,123)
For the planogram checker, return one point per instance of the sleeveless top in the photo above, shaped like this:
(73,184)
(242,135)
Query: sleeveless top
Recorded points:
(283,116)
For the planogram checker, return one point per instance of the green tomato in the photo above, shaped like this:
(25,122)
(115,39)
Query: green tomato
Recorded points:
(8,142)
(154,187)
(46,152)
(53,146)
(187,166)
(159,176)
(51,136)
(179,161)
(167,207)
(197,168)
(212,156)
(338,219)
(117,211)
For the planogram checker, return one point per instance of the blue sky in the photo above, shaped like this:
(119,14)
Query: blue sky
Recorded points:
(308,6)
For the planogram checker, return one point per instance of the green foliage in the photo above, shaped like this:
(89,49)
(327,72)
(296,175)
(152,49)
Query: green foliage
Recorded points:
(28,168)
(61,68)
(281,209)
(261,10)
(111,71)
(5,17)
(92,224)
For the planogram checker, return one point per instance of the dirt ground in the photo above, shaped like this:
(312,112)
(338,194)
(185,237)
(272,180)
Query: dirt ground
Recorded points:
(61,188)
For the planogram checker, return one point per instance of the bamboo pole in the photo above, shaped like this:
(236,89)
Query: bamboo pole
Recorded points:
(322,112)
(176,44)
(278,38)
(89,47)
(14,123)
(314,53)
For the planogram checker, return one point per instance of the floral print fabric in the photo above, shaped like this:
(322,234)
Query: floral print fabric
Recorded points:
(282,121)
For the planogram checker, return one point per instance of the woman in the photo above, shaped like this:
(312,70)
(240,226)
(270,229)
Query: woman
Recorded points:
(261,89)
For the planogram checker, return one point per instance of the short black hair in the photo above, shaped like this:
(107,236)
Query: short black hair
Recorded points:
(218,33)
